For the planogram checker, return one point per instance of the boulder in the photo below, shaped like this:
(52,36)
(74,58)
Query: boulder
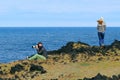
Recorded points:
(37,68)
(16,68)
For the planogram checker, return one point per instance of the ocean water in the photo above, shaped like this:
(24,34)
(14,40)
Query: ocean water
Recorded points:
(16,42)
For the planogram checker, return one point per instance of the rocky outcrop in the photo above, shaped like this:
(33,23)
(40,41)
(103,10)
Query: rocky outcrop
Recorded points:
(103,77)
(21,70)
(80,47)
(72,47)
(114,48)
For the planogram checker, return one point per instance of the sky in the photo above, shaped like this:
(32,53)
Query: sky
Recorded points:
(58,13)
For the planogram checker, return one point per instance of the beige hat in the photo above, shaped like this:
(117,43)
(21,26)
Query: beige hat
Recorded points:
(100,21)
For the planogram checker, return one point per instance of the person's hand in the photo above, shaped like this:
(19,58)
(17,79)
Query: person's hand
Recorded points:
(36,46)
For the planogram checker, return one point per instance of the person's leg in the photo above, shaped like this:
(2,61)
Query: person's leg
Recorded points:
(100,38)
(37,56)
(33,57)
(41,57)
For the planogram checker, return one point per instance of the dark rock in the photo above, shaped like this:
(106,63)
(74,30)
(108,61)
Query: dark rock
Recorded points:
(73,55)
(102,77)
(43,71)
(114,77)
(1,79)
(33,76)
(114,48)
(67,48)
(119,76)
(95,49)
(71,47)
(25,63)
(100,58)
(56,59)
(37,68)
(115,44)
(53,79)
(17,68)
(1,72)
(16,77)
(97,77)
(87,78)
(7,79)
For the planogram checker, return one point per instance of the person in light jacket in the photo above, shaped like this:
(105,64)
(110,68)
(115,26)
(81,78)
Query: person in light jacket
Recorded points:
(101,27)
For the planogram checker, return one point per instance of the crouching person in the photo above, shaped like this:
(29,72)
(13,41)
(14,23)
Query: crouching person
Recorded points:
(41,52)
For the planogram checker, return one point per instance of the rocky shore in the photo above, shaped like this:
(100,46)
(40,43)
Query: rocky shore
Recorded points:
(65,63)
(83,48)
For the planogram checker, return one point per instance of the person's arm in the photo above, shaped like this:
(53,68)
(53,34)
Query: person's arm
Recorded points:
(104,26)
(44,52)
(97,26)
(41,50)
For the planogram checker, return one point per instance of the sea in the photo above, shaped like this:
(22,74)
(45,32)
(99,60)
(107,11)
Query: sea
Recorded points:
(16,42)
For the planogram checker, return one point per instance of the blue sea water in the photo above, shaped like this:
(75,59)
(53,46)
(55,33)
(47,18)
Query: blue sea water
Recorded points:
(16,42)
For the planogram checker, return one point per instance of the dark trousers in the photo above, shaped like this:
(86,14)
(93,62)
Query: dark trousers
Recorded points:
(101,38)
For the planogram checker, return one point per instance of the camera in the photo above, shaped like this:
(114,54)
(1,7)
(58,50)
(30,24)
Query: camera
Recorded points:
(34,46)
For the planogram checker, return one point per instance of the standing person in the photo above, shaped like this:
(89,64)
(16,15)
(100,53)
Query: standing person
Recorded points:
(101,27)
(41,52)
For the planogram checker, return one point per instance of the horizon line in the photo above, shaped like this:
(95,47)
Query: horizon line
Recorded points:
(55,26)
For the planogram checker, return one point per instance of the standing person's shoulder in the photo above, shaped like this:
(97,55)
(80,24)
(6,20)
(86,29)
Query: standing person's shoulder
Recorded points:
(104,23)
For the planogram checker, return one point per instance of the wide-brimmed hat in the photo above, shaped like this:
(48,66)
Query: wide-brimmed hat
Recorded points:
(100,21)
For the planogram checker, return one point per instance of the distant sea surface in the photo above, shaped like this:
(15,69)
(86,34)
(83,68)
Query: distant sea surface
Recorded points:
(16,42)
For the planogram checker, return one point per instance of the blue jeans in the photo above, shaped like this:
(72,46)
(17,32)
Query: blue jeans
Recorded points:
(101,38)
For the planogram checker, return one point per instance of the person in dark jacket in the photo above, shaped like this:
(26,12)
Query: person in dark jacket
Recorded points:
(41,52)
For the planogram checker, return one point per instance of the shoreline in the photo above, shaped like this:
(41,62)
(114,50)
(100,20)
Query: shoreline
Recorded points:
(75,60)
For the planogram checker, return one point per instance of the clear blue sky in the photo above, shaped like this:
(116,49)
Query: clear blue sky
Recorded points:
(58,12)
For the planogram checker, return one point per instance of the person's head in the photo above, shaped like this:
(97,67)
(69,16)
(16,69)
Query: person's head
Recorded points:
(40,44)
(100,21)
